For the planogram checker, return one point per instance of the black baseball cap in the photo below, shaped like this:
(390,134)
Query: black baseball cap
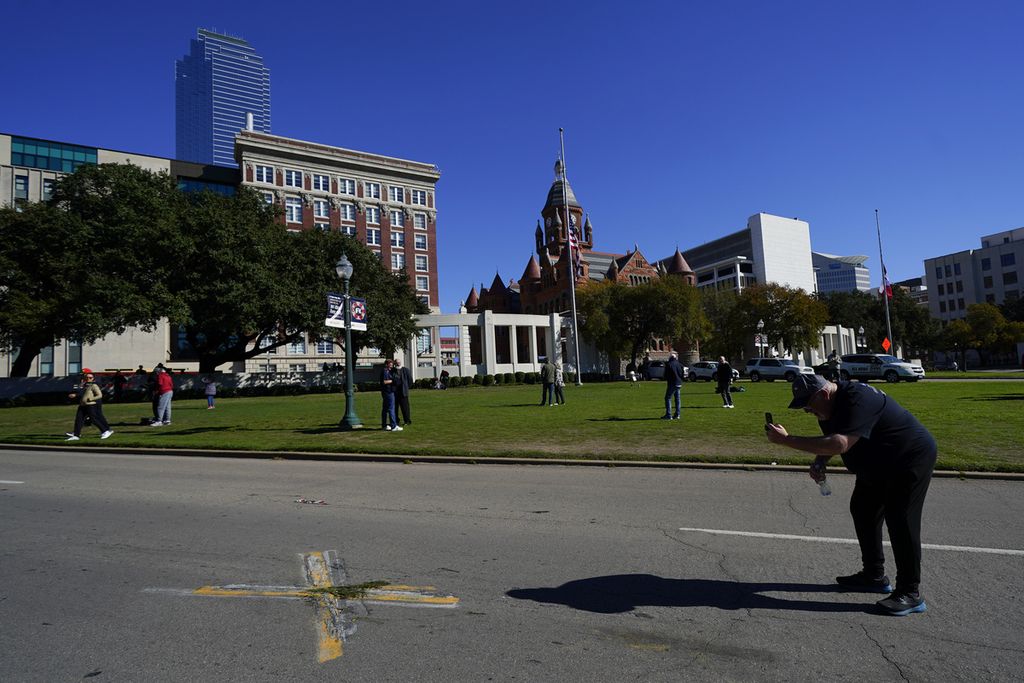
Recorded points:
(805,386)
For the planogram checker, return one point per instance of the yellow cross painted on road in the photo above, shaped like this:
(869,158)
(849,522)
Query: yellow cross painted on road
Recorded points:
(334,615)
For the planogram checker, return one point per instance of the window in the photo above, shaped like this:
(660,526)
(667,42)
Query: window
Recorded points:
(990,298)
(942,307)
(419,221)
(986,264)
(419,197)
(264,174)
(421,263)
(949,271)
(960,304)
(293,178)
(348,212)
(938,272)
(267,345)
(268,197)
(293,210)
(380,256)
(424,298)
(346,186)
(1012,295)
(266,367)
(959,286)
(373,236)
(296,367)
(956,268)
(422,283)
(942,290)
(46,360)
(48,184)
(322,227)
(371,190)
(321,209)
(372,215)
(21,187)
(324,346)
(74,356)
(321,182)
(397,219)
(397,261)
(53,156)
(396,194)
(397,238)
(349,230)
(1010,278)
(420,241)
(297,347)
(1007,259)
(986,281)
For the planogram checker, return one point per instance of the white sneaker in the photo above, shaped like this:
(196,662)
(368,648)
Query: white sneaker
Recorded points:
(388,428)
(71,437)
(396,428)
(107,434)
(156,423)
(731,405)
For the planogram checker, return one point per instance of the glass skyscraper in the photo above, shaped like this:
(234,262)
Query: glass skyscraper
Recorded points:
(220,81)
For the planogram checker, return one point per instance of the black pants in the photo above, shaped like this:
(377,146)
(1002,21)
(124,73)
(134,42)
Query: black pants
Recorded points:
(403,405)
(547,394)
(726,394)
(559,394)
(95,413)
(897,498)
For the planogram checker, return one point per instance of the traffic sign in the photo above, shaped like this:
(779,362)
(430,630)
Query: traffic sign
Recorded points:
(886,344)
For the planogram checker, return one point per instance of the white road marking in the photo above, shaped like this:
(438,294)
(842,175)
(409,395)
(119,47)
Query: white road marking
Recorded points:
(4,481)
(851,541)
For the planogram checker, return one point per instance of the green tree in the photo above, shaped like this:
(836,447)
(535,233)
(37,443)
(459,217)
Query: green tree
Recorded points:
(91,262)
(727,334)
(791,316)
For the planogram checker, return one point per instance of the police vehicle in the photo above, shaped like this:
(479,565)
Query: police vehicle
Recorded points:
(869,366)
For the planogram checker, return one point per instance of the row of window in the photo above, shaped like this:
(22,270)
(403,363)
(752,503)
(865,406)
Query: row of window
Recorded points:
(1009,278)
(322,183)
(21,188)
(53,156)
(322,209)
(1008,259)
(422,263)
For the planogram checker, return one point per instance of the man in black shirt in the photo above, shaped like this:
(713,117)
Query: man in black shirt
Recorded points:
(673,382)
(893,456)
(724,377)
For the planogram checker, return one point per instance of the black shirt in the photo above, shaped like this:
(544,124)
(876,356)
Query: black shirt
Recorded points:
(386,388)
(674,373)
(890,437)
(724,371)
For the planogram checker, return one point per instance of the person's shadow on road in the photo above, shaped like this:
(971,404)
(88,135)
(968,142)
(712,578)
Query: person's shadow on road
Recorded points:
(625,592)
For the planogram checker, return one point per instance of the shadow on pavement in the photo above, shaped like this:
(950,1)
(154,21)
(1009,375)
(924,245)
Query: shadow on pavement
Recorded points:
(625,592)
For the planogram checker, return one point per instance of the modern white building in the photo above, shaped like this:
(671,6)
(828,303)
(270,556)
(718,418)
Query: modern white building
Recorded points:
(770,249)
(840,273)
(991,275)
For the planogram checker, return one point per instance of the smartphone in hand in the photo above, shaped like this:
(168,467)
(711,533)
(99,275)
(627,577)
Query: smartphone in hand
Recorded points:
(768,420)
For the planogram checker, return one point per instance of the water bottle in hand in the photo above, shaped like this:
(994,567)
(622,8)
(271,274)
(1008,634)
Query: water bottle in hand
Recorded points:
(823,486)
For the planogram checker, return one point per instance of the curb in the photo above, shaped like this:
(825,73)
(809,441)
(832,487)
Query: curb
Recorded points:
(464,460)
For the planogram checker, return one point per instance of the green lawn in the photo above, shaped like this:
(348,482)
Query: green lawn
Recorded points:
(978,425)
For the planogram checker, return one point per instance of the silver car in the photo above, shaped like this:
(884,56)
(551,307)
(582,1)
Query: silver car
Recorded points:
(772,369)
(707,370)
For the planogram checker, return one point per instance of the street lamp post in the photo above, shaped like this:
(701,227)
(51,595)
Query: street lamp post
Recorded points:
(351,420)
(760,338)
(860,338)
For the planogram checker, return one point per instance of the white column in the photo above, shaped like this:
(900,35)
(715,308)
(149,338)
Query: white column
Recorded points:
(488,343)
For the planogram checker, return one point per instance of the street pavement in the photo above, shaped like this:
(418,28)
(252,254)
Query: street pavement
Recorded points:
(504,573)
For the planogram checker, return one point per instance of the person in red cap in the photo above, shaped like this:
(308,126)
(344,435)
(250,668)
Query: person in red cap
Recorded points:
(893,456)
(90,404)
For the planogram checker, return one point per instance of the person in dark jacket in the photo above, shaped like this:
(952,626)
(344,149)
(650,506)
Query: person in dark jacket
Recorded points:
(388,418)
(893,456)
(403,380)
(724,371)
(673,383)
(548,374)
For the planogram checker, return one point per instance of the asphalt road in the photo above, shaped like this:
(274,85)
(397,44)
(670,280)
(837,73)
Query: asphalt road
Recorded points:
(561,574)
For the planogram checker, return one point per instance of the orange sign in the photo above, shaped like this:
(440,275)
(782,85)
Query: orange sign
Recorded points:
(886,344)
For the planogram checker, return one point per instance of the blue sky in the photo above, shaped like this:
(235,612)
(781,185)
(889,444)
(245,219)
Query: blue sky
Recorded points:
(682,118)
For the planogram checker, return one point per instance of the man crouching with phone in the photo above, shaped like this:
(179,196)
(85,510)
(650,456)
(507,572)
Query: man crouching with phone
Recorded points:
(893,456)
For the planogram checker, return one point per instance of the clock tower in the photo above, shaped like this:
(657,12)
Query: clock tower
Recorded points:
(561,208)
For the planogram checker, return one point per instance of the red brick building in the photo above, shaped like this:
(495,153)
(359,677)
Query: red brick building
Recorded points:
(545,285)
(386,203)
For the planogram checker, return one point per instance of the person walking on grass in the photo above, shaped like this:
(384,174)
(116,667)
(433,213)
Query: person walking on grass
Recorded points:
(90,405)
(388,418)
(893,456)
(724,371)
(547,377)
(164,393)
(210,391)
(673,383)
(559,384)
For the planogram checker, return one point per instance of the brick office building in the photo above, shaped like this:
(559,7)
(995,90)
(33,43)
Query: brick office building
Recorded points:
(389,204)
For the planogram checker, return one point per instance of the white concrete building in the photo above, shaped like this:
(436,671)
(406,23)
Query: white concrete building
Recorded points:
(992,274)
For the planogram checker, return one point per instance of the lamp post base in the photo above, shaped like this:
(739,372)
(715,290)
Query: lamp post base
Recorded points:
(346,426)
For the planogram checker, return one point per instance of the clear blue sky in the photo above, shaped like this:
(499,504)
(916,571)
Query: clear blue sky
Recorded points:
(682,118)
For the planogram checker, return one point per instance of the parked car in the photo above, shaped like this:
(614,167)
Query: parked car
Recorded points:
(772,369)
(869,366)
(707,370)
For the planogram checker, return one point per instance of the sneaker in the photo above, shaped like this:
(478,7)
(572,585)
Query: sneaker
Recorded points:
(675,417)
(396,428)
(666,417)
(107,434)
(731,405)
(156,423)
(71,437)
(167,424)
(903,603)
(725,406)
(863,582)
(388,428)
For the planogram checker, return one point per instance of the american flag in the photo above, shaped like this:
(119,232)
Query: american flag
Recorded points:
(574,251)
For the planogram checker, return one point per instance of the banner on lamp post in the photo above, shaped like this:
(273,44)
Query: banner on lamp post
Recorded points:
(336,311)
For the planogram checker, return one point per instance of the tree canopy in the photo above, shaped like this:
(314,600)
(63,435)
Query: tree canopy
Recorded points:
(791,316)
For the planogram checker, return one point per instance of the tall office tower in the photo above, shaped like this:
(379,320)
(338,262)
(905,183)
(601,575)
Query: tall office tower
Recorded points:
(220,81)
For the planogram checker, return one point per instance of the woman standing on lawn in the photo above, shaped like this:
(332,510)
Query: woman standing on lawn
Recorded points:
(210,389)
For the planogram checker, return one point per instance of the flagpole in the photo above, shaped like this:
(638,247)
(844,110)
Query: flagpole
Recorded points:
(885,283)
(572,263)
